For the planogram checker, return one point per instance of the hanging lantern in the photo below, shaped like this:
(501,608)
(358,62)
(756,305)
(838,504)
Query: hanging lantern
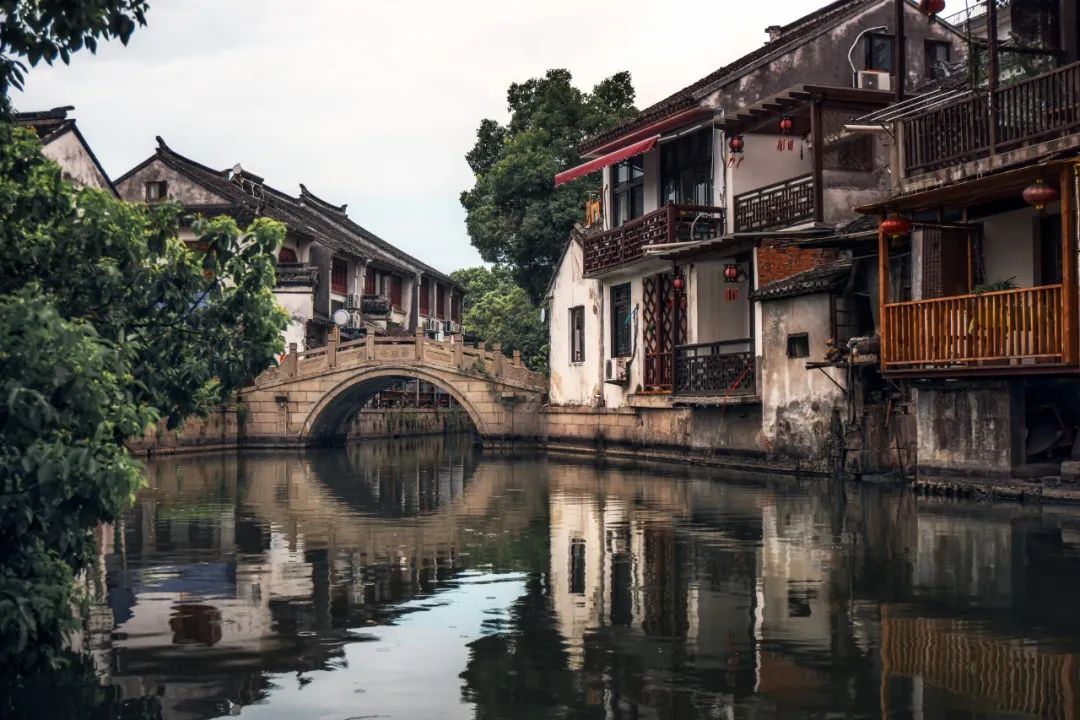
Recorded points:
(736,144)
(931,8)
(1039,194)
(787,124)
(895,226)
(731,273)
(677,283)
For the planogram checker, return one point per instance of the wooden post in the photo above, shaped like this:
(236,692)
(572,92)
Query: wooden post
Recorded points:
(419,345)
(290,361)
(497,358)
(369,346)
(1069,290)
(883,291)
(817,135)
(992,69)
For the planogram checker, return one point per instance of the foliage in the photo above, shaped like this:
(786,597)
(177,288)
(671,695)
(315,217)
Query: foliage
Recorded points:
(996,286)
(498,310)
(50,29)
(514,214)
(108,321)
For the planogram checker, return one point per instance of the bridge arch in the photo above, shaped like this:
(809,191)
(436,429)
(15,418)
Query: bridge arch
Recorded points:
(327,417)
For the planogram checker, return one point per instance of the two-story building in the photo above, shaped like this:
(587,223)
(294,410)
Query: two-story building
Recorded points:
(705,196)
(977,253)
(327,263)
(64,144)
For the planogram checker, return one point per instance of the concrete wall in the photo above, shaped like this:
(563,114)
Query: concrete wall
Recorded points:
(797,403)
(75,160)
(220,429)
(970,428)
(178,187)
(299,303)
(710,316)
(1009,247)
(763,165)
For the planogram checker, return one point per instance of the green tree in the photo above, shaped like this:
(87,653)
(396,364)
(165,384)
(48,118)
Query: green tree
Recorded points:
(514,213)
(499,310)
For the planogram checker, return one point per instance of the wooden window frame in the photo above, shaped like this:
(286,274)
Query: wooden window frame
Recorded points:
(162,191)
(868,51)
(622,332)
(339,276)
(395,292)
(425,297)
(623,192)
(929,58)
(577,335)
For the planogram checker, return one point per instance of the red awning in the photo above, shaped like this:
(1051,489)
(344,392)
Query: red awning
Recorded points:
(611,158)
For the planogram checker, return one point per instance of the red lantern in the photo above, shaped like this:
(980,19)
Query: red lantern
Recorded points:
(731,273)
(931,7)
(1039,194)
(895,226)
(787,124)
(677,283)
(735,144)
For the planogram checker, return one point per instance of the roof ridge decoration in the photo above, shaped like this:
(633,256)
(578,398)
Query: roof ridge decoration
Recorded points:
(307,195)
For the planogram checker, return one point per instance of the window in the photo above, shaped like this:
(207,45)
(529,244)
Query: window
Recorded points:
(425,296)
(455,309)
(798,345)
(621,338)
(440,301)
(369,283)
(937,56)
(395,291)
(577,567)
(339,279)
(286,255)
(156,190)
(577,334)
(629,190)
(879,52)
(686,170)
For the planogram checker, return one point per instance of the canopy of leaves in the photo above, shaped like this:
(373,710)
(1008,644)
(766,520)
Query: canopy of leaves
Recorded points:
(498,310)
(50,29)
(108,322)
(514,213)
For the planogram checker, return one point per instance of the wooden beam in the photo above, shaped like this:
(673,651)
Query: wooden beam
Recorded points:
(1071,322)
(818,138)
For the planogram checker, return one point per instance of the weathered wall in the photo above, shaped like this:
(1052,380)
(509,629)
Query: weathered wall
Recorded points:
(777,260)
(725,429)
(75,160)
(221,429)
(299,303)
(798,404)
(1009,247)
(711,316)
(576,383)
(972,428)
(397,422)
(178,187)
(762,165)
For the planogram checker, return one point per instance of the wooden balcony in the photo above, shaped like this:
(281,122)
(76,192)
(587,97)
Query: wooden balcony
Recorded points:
(1030,111)
(719,368)
(672,223)
(776,206)
(998,332)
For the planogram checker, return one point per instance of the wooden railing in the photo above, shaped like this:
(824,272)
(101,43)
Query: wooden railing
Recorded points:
(979,330)
(775,206)
(1025,112)
(671,223)
(718,368)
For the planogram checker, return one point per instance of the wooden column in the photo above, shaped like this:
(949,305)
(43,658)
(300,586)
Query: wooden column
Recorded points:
(1071,318)
(992,68)
(883,291)
(899,52)
(818,138)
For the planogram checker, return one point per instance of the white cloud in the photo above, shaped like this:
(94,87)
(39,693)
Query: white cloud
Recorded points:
(374,103)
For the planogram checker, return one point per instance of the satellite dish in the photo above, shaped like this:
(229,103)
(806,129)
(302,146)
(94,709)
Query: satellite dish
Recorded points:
(236,169)
(341,317)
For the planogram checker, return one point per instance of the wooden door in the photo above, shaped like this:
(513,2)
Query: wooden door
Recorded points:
(663,327)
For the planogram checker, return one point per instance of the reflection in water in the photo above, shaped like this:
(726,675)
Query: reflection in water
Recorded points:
(416,579)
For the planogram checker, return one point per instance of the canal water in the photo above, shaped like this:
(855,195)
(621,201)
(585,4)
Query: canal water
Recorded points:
(420,579)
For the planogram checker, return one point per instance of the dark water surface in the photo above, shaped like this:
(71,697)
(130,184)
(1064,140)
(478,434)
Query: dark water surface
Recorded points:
(419,579)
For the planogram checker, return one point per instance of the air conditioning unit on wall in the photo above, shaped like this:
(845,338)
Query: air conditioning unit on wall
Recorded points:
(352,301)
(615,371)
(875,80)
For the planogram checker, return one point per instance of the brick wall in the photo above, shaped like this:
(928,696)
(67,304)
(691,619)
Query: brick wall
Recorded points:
(778,259)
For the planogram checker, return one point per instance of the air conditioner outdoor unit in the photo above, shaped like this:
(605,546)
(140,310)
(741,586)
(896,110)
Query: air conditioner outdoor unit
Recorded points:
(875,80)
(434,325)
(352,301)
(615,371)
(356,321)
(451,328)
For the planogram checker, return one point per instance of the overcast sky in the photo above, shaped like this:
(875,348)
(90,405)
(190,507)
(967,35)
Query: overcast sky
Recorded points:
(374,103)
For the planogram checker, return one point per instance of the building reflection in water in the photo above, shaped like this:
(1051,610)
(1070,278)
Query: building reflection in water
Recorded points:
(617,592)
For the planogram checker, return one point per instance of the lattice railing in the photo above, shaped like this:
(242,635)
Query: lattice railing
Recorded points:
(718,368)
(671,223)
(775,206)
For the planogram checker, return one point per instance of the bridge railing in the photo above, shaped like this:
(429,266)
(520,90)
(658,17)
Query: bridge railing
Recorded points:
(418,349)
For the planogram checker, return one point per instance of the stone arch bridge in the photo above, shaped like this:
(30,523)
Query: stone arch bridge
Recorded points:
(310,398)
